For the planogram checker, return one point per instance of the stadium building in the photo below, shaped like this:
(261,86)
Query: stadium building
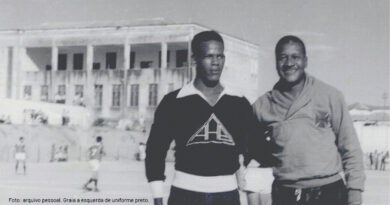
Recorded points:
(113,71)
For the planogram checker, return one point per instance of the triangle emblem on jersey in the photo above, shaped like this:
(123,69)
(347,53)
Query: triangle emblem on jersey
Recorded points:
(212,131)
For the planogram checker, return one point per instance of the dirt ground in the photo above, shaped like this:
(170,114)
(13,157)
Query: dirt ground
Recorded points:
(121,182)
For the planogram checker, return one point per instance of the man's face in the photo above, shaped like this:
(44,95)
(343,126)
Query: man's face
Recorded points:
(210,61)
(291,62)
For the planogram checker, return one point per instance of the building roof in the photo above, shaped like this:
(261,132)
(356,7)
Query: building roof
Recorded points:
(365,107)
(116,25)
(96,24)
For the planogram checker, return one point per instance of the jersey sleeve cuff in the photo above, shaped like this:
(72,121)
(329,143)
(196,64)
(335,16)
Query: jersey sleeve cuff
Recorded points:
(157,188)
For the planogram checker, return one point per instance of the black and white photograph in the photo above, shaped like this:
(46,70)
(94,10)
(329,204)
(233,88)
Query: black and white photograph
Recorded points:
(184,102)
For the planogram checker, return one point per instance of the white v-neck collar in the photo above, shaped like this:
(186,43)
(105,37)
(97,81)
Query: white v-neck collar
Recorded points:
(190,89)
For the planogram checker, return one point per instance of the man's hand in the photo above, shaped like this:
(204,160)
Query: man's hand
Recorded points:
(354,197)
(240,174)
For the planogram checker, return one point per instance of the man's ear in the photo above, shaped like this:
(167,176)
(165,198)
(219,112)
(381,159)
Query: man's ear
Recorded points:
(306,61)
(193,62)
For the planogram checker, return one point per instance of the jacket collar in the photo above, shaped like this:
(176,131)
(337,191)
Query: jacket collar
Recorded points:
(303,98)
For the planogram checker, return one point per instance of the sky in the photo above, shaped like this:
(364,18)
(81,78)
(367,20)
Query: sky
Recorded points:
(347,40)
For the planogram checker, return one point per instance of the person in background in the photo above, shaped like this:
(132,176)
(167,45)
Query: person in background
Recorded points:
(95,154)
(384,160)
(141,155)
(20,155)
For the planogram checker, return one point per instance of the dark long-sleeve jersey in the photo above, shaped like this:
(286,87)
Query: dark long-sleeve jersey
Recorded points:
(208,138)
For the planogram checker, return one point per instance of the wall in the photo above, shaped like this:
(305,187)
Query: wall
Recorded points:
(36,59)
(146,52)
(240,74)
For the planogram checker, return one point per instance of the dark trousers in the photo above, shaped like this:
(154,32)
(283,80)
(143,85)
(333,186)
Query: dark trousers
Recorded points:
(184,197)
(330,194)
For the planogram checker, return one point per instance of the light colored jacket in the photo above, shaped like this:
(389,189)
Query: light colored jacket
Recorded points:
(314,136)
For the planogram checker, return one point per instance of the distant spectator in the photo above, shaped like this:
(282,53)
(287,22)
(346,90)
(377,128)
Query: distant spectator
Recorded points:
(141,154)
(60,98)
(52,153)
(5,119)
(371,158)
(65,117)
(78,99)
(20,155)
(376,159)
(384,160)
(66,152)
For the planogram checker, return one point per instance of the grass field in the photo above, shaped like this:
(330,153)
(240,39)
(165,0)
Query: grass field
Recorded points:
(122,181)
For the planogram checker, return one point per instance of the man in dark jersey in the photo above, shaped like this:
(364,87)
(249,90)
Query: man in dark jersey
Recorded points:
(209,124)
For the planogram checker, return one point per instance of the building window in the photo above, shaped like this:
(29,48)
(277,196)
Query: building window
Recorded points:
(60,97)
(132,59)
(111,60)
(96,66)
(146,64)
(78,95)
(181,58)
(116,95)
(153,94)
(62,60)
(134,93)
(44,93)
(27,92)
(78,61)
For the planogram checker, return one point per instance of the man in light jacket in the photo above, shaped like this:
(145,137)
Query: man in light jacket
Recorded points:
(311,133)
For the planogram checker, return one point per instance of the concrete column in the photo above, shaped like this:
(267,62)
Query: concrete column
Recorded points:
(189,59)
(54,67)
(163,84)
(15,72)
(89,63)
(164,55)
(126,67)
(126,55)
(10,61)
(143,102)
(3,71)
(21,71)
(89,86)
(107,99)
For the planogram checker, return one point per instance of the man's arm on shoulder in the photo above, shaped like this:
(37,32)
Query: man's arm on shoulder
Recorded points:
(259,144)
(349,148)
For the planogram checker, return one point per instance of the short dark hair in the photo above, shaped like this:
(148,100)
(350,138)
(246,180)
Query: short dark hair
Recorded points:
(288,39)
(99,139)
(203,37)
